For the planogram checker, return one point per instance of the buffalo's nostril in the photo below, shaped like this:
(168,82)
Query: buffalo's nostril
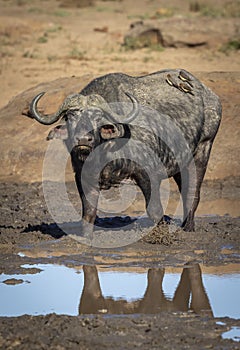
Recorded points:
(83,140)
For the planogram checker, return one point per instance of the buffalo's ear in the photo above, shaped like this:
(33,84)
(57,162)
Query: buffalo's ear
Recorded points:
(111,131)
(58,132)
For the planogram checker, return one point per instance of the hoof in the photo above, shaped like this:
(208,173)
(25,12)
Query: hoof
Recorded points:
(188,227)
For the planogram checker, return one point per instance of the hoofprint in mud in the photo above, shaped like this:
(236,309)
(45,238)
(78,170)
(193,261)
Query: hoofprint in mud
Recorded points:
(168,132)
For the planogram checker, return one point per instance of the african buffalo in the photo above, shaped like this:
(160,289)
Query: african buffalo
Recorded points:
(143,128)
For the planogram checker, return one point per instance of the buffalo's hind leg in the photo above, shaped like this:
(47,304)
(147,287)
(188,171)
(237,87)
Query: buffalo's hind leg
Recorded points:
(189,182)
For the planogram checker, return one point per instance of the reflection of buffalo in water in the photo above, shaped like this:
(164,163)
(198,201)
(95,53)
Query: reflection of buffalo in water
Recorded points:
(154,301)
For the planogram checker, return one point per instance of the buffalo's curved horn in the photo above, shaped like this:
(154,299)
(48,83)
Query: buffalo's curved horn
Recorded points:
(135,111)
(115,117)
(43,119)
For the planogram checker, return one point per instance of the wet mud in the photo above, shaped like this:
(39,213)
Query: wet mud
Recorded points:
(30,241)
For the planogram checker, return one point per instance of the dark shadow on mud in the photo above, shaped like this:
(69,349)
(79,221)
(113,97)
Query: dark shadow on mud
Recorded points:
(49,229)
(121,221)
(56,232)
(114,221)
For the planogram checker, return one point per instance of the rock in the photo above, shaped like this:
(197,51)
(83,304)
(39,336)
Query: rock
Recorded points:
(77,3)
(13,281)
(103,29)
(142,35)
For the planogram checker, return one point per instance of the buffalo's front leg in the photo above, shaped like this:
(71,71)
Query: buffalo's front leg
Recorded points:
(150,189)
(89,197)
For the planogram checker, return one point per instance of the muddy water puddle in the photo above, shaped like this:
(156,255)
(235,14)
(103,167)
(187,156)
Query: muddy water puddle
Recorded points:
(97,290)
(233,333)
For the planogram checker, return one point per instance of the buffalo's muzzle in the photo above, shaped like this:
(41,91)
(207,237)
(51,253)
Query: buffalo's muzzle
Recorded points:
(84,148)
(81,152)
(84,141)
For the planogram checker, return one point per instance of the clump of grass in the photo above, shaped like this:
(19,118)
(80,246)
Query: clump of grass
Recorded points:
(156,47)
(51,58)
(231,45)
(102,9)
(146,59)
(230,9)
(22,2)
(77,54)
(36,10)
(77,3)
(58,12)
(54,29)
(120,59)
(131,43)
(5,53)
(5,40)
(42,39)
(211,11)
(142,16)
(108,49)
(30,54)
(164,12)
(61,13)
(194,6)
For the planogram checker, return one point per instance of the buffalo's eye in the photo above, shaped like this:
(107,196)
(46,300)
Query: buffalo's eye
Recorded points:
(71,116)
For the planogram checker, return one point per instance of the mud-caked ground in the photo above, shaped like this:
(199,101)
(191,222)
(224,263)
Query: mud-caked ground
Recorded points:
(27,228)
